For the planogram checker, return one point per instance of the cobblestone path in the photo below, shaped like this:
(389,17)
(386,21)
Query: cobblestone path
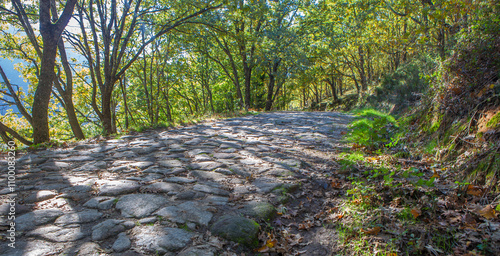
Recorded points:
(184,191)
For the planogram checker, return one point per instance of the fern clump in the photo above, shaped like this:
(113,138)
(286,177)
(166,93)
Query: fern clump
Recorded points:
(372,129)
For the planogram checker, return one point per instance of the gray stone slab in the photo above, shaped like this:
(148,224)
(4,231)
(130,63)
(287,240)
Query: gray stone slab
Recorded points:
(210,190)
(162,187)
(58,234)
(181,180)
(109,228)
(122,243)
(140,205)
(54,166)
(186,212)
(170,163)
(78,159)
(141,165)
(100,202)
(78,217)
(92,166)
(266,185)
(207,166)
(35,218)
(225,155)
(41,195)
(154,239)
(205,175)
(118,187)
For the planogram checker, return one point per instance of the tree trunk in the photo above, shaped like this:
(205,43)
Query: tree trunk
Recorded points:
(50,36)
(331,82)
(44,89)
(270,88)
(107,117)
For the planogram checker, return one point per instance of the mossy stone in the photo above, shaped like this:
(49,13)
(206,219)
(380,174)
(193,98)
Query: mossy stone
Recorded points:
(237,229)
(261,210)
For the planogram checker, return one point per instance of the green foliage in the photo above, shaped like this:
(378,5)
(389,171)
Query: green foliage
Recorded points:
(494,121)
(372,129)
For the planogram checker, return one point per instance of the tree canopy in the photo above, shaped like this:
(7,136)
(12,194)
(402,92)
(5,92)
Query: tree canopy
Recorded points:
(101,67)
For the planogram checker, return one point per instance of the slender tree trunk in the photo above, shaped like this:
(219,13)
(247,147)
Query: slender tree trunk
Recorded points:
(125,105)
(364,84)
(340,86)
(67,94)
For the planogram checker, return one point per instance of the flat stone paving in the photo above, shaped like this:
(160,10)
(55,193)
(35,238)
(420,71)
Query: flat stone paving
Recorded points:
(161,191)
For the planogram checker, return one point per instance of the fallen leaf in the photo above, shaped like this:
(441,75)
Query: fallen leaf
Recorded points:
(416,212)
(436,175)
(262,249)
(271,243)
(335,184)
(488,212)
(356,201)
(372,231)
(474,190)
